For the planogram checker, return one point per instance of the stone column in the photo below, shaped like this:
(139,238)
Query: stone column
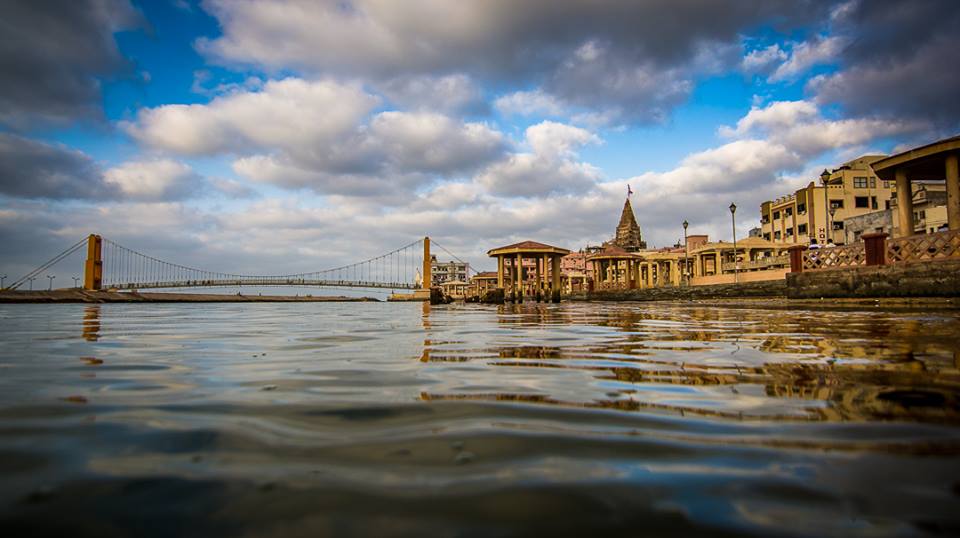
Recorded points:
(555,284)
(953,192)
(519,289)
(536,276)
(500,272)
(904,203)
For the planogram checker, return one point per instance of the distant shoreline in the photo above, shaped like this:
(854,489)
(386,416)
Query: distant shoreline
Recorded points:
(84,296)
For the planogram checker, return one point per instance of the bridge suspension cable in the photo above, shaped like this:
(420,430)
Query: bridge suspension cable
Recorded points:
(110,265)
(50,263)
(125,268)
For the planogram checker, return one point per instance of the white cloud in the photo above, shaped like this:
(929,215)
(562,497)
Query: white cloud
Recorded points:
(763,60)
(321,135)
(803,56)
(551,167)
(288,112)
(154,180)
(529,103)
(452,94)
(799,125)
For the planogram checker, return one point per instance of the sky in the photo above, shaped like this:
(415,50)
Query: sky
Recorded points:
(266,137)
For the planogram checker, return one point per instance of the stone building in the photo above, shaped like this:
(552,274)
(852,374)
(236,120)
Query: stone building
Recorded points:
(819,212)
(448,271)
(628,235)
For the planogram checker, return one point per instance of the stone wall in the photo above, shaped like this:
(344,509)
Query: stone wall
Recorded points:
(770,288)
(919,279)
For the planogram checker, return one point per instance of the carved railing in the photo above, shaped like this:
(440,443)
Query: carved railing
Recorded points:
(834,257)
(924,247)
(762,263)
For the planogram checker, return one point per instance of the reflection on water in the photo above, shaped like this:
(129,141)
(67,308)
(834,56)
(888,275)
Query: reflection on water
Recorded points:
(358,418)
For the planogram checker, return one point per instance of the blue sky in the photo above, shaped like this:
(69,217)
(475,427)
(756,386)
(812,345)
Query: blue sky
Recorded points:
(262,136)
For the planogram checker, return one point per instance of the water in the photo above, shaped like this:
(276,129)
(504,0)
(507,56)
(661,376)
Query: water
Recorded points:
(373,419)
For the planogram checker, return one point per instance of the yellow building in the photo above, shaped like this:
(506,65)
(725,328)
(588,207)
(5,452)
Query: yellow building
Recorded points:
(818,211)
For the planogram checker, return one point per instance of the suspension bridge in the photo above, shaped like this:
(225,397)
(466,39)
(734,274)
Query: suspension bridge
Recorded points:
(111,266)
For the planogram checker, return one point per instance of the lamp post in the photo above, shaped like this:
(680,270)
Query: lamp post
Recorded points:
(31,279)
(733,221)
(51,282)
(825,178)
(686,254)
(833,212)
(2,280)
(76,281)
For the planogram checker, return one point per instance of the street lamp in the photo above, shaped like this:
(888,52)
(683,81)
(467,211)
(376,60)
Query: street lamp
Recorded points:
(51,282)
(733,220)
(31,279)
(833,212)
(76,281)
(686,254)
(825,178)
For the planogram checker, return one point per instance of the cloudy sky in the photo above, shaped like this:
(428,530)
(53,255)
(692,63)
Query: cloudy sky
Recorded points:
(280,136)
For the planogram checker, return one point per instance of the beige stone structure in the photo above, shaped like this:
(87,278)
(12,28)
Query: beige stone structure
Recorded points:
(937,161)
(483,282)
(628,235)
(852,189)
(516,279)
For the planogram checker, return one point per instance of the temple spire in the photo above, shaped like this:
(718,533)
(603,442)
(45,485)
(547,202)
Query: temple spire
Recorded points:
(628,234)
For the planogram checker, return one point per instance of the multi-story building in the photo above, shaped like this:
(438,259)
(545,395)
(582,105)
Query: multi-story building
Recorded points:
(448,271)
(929,214)
(818,212)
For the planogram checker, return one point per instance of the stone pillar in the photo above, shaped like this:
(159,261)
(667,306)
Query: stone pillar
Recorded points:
(500,272)
(904,203)
(536,275)
(796,258)
(630,285)
(519,270)
(555,285)
(953,192)
(875,248)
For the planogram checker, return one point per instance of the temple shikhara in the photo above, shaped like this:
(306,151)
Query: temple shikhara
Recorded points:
(628,236)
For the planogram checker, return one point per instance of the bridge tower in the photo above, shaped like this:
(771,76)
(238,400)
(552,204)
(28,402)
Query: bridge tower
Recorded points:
(427,265)
(93,268)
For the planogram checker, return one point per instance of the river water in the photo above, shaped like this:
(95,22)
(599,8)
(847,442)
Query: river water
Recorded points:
(400,418)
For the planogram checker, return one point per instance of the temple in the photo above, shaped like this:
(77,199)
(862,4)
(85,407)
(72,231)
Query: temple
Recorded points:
(628,235)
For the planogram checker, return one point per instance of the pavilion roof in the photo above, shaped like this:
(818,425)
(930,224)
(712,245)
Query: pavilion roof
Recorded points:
(531,247)
(485,274)
(611,252)
(921,163)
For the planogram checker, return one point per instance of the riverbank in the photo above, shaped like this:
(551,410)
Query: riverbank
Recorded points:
(84,296)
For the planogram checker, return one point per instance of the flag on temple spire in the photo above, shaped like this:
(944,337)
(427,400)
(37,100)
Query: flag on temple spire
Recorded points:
(629,191)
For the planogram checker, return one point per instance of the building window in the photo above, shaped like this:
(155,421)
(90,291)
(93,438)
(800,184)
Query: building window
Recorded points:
(873,202)
(873,183)
(861,201)
(886,204)
(859,183)
(776,235)
(836,204)
(776,215)
(764,219)
(766,236)
(788,212)
(789,232)
(802,229)
(801,209)
(838,225)
(886,184)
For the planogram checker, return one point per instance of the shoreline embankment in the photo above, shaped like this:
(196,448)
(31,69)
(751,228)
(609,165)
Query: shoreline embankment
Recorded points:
(84,296)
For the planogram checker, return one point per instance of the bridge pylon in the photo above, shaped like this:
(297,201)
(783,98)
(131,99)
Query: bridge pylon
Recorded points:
(93,268)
